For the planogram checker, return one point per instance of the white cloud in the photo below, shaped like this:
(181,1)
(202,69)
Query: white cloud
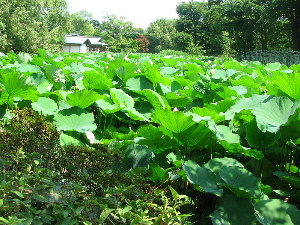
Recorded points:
(140,12)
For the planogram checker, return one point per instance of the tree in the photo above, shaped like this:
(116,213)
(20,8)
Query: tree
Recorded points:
(230,26)
(119,34)
(32,24)
(143,43)
(82,23)
(289,9)
(255,25)
(160,34)
(204,24)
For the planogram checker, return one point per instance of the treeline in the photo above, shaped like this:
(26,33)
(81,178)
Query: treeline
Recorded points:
(226,27)
(216,27)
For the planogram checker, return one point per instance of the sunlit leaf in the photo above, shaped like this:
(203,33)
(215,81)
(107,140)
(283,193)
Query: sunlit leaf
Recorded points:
(274,113)
(83,98)
(276,211)
(201,176)
(16,86)
(94,80)
(289,84)
(240,181)
(139,83)
(74,119)
(44,105)
(122,99)
(174,121)
(245,104)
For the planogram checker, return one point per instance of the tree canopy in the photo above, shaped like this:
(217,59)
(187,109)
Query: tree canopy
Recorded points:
(217,27)
(82,23)
(160,33)
(119,34)
(32,24)
(230,26)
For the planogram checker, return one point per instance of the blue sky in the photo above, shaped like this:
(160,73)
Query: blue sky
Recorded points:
(140,12)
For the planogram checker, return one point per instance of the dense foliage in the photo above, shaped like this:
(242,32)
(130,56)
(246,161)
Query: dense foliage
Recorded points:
(222,132)
(81,23)
(252,25)
(29,25)
(219,28)
(119,34)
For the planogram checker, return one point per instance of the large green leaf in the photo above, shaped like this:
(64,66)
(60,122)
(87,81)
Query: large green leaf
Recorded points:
(198,134)
(178,100)
(203,177)
(156,100)
(83,98)
(122,99)
(95,80)
(139,83)
(176,122)
(258,139)
(28,68)
(245,104)
(273,113)
(74,119)
(224,133)
(237,149)
(208,112)
(135,115)
(135,156)
(107,106)
(126,71)
(44,105)
(240,90)
(221,106)
(272,66)
(155,138)
(232,210)
(216,164)
(153,74)
(232,174)
(16,86)
(289,84)
(168,70)
(232,65)
(67,139)
(158,174)
(240,181)
(275,211)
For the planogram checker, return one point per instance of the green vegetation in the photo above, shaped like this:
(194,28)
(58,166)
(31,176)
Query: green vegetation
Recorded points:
(82,23)
(228,27)
(148,139)
(218,28)
(29,25)
(119,34)
(167,138)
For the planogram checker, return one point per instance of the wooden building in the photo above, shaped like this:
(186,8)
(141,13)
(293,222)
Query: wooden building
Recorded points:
(82,44)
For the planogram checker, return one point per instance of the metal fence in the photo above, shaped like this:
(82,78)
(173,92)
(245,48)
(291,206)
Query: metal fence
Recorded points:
(284,57)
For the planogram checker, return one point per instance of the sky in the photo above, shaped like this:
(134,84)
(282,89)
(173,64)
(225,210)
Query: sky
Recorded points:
(140,12)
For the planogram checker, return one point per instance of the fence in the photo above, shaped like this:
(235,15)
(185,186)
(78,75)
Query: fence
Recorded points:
(284,57)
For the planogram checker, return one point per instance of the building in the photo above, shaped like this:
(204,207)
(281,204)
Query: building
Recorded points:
(82,44)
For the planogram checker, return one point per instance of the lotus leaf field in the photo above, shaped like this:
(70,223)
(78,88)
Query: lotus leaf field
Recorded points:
(223,129)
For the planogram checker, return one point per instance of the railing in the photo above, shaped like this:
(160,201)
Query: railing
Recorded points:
(284,57)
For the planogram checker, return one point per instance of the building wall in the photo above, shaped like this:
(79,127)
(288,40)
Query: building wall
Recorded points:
(83,48)
(75,48)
